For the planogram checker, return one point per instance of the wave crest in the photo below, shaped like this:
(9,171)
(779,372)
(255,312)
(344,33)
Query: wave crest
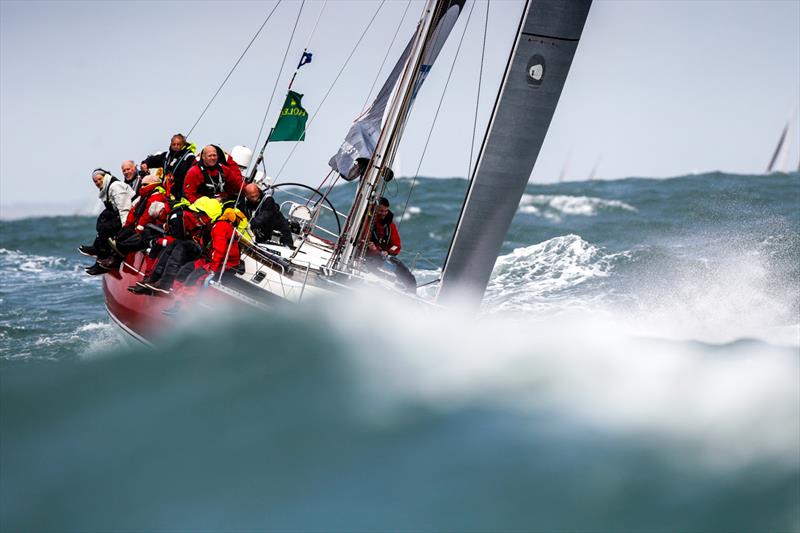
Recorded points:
(522,278)
(553,207)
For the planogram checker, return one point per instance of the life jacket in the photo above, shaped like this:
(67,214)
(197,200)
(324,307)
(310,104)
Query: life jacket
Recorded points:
(107,203)
(144,195)
(212,185)
(382,237)
(171,164)
(234,216)
(184,223)
(236,219)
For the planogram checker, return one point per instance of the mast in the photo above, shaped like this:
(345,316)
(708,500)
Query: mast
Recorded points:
(437,20)
(537,68)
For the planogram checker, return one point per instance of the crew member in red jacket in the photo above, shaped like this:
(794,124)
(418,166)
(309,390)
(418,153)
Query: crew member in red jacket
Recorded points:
(213,176)
(221,237)
(384,239)
(183,243)
(383,245)
(132,236)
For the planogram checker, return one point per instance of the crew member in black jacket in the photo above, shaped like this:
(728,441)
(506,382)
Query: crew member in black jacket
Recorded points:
(265,216)
(174,163)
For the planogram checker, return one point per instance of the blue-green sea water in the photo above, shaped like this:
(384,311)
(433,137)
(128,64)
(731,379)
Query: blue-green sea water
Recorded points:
(635,367)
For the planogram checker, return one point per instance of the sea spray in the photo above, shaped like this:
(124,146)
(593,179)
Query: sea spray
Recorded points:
(363,414)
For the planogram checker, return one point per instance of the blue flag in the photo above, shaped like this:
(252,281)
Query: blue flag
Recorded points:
(306,58)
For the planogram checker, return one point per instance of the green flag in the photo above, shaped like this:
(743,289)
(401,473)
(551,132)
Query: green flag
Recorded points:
(291,125)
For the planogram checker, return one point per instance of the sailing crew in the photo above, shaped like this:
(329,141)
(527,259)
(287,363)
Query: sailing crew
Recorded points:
(384,239)
(116,196)
(131,175)
(147,217)
(188,229)
(214,176)
(174,164)
(221,246)
(383,245)
(265,216)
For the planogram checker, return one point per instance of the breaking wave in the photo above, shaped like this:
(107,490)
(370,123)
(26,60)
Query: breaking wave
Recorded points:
(45,299)
(545,274)
(403,412)
(411,212)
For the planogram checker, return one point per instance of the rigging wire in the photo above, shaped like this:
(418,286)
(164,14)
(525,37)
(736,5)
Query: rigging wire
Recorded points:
(241,188)
(308,43)
(234,68)
(278,78)
(436,115)
(385,57)
(314,29)
(319,107)
(478,98)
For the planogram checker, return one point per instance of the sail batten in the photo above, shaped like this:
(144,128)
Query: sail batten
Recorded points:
(542,54)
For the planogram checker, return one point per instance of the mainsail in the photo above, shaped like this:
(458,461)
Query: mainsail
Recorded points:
(363,136)
(535,74)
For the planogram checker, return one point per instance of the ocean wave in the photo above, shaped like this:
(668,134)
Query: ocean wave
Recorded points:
(19,265)
(305,410)
(729,404)
(554,207)
(411,212)
(548,270)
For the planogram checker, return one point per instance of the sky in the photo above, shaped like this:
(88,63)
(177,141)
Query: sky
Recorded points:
(657,88)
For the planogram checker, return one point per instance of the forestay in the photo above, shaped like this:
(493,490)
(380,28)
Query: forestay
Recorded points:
(535,74)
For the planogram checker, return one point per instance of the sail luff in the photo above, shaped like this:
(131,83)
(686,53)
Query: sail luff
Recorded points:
(546,41)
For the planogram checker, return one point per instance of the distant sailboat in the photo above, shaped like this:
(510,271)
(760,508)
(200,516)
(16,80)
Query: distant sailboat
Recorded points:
(593,172)
(779,157)
(565,169)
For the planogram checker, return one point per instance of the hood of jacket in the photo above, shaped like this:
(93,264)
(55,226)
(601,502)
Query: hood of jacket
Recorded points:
(106,184)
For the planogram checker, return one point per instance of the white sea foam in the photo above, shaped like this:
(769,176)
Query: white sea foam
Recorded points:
(98,338)
(553,207)
(522,279)
(94,326)
(721,406)
(16,264)
(411,212)
(732,293)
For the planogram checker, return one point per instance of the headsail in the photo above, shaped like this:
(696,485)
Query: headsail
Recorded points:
(363,136)
(537,69)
